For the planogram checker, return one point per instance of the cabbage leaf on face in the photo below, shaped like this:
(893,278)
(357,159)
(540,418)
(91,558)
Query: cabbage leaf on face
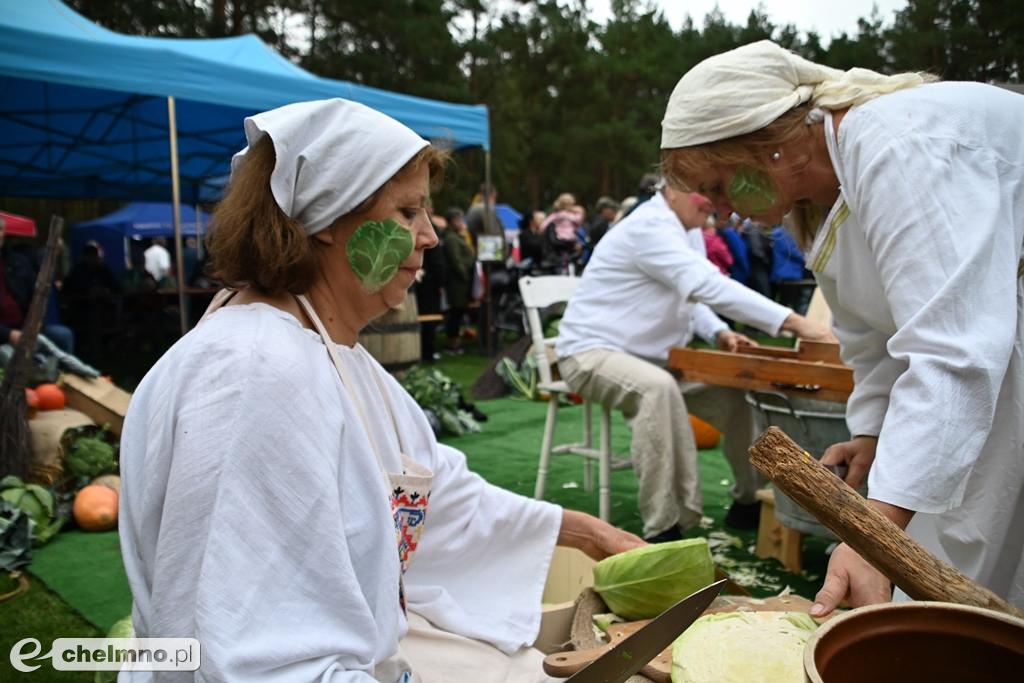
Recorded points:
(751,190)
(740,647)
(644,582)
(376,250)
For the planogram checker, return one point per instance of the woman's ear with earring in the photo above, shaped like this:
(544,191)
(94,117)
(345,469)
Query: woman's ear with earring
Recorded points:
(776,156)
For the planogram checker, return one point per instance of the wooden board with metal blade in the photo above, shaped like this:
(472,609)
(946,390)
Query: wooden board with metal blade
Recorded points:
(659,669)
(634,652)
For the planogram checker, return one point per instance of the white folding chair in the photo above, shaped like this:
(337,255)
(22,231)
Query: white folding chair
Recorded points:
(539,293)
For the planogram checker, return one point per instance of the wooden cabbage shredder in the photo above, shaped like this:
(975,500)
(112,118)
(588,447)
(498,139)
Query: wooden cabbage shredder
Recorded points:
(901,559)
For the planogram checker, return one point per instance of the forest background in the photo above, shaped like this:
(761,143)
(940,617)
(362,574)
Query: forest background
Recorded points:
(575,105)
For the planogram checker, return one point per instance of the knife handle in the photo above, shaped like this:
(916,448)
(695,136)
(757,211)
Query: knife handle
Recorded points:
(564,664)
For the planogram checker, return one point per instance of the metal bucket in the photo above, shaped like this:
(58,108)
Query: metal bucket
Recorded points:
(811,423)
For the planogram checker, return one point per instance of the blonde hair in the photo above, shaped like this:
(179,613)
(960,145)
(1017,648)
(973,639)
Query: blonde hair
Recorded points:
(680,165)
(252,242)
(563,201)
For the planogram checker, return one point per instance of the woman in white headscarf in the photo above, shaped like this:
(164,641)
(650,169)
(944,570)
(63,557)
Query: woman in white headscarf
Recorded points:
(276,479)
(908,195)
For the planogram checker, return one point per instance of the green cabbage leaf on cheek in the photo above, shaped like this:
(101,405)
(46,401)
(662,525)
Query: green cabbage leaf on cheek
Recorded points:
(751,190)
(376,250)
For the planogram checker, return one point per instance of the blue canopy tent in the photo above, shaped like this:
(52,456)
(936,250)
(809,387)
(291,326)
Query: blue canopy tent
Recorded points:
(508,216)
(86,112)
(139,220)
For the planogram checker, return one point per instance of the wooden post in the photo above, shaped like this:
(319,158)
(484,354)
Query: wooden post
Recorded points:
(874,536)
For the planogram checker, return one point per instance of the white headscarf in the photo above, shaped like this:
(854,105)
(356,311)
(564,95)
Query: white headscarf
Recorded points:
(745,89)
(331,155)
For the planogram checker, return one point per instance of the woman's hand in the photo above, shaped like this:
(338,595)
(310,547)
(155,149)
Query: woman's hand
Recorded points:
(595,538)
(850,577)
(803,328)
(731,341)
(854,456)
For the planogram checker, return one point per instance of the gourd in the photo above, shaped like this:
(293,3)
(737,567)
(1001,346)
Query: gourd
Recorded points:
(706,435)
(95,508)
(51,396)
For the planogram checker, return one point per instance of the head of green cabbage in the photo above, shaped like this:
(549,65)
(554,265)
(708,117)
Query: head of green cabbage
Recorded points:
(644,582)
(740,647)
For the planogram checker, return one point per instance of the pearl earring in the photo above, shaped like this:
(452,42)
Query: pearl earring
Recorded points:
(776,155)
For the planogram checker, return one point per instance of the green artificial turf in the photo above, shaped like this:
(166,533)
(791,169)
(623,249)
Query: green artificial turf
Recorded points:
(42,614)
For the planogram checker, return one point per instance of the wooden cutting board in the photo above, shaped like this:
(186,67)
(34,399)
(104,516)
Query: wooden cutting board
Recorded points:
(659,670)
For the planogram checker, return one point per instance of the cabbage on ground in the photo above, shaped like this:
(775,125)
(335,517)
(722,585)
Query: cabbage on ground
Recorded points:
(643,583)
(742,647)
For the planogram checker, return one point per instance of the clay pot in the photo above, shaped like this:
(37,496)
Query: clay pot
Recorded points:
(916,642)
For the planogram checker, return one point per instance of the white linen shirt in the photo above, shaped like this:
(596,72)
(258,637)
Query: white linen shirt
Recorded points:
(649,287)
(254,516)
(919,263)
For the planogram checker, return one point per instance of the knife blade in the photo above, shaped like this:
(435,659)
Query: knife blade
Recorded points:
(633,653)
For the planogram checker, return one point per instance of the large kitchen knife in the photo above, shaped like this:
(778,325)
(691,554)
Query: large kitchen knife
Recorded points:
(633,653)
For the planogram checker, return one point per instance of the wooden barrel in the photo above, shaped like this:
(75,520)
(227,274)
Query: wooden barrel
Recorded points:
(394,338)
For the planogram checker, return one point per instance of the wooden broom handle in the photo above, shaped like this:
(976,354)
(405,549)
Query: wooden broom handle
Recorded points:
(877,539)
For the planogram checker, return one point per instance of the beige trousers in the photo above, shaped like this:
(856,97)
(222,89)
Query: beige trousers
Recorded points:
(663,449)
(437,656)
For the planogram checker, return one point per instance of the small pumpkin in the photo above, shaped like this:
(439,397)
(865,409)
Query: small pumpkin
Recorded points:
(95,508)
(111,481)
(51,396)
(706,435)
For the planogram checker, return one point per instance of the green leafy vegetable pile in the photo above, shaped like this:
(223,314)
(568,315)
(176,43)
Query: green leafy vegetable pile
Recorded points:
(38,503)
(436,392)
(16,537)
(88,457)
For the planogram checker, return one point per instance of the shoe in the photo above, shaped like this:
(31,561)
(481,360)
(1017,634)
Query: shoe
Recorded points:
(666,536)
(744,516)
(477,415)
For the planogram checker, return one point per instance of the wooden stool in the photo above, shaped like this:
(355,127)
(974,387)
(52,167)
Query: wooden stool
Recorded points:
(774,539)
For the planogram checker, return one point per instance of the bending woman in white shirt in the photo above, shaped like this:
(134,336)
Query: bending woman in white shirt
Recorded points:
(909,197)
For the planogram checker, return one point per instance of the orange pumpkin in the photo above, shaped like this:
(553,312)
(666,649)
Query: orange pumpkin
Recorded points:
(95,508)
(706,435)
(51,397)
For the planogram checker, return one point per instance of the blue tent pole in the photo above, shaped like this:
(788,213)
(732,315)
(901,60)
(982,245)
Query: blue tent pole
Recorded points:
(172,127)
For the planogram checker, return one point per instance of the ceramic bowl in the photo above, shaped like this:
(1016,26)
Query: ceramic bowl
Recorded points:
(917,642)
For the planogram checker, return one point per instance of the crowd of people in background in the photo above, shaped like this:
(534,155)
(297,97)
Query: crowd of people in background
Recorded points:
(560,239)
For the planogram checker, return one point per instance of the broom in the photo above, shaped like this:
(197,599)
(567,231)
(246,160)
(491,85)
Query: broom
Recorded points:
(15,435)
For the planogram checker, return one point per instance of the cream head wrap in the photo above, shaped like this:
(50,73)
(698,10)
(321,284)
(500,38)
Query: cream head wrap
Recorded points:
(745,89)
(331,155)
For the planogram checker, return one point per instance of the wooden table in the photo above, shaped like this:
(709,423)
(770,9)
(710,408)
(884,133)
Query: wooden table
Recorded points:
(808,370)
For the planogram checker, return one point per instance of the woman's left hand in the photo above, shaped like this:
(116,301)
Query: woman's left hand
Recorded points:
(595,538)
(851,578)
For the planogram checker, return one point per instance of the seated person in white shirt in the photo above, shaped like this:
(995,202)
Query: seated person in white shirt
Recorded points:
(649,287)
